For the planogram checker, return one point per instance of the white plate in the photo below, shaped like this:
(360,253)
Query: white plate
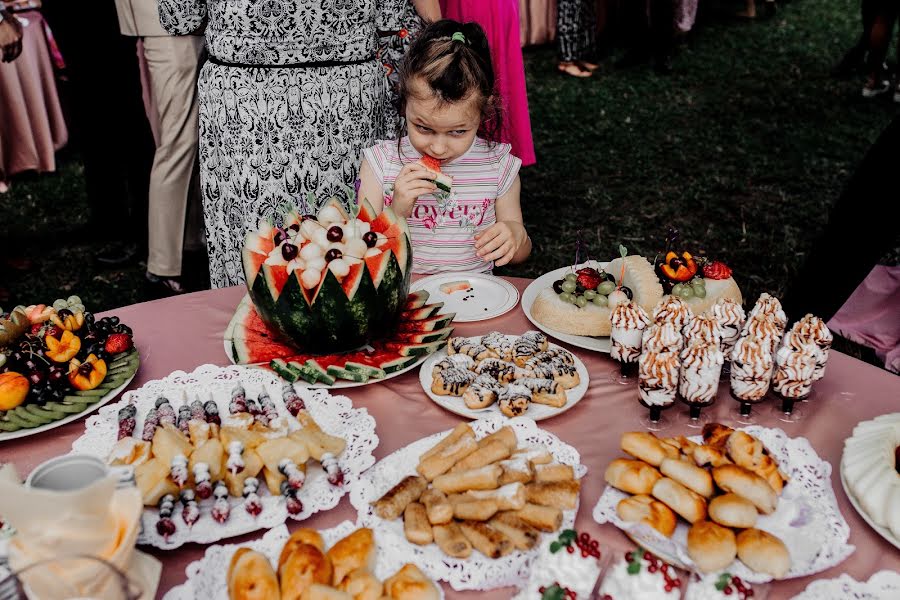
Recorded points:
(536,411)
(490,296)
(207,578)
(597,344)
(476,572)
(12,435)
(882,531)
(335,414)
(807,519)
(338,384)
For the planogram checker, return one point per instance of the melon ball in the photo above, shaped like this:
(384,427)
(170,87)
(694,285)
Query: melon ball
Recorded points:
(311,251)
(372,252)
(339,267)
(316,264)
(309,227)
(355,247)
(330,214)
(617,297)
(382,240)
(320,237)
(310,278)
(352,260)
(363,227)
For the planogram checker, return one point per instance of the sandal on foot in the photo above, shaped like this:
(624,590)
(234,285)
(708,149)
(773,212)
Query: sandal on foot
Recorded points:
(572,69)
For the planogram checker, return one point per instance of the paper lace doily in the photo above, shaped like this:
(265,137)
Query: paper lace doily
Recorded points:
(807,519)
(478,572)
(207,577)
(884,585)
(335,415)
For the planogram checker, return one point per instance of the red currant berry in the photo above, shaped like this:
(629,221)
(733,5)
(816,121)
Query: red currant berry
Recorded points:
(542,589)
(584,554)
(629,556)
(668,588)
(677,583)
(727,591)
(749,592)
(570,549)
(648,556)
(653,568)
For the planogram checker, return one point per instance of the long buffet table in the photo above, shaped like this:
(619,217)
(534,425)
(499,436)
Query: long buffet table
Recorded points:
(185,332)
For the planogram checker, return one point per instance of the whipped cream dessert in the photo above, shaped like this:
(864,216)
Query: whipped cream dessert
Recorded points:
(701,365)
(718,587)
(794,340)
(640,578)
(628,322)
(793,373)
(576,570)
(703,328)
(731,317)
(674,310)
(751,369)
(765,329)
(662,337)
(658,378)
(813,328)
(769,305)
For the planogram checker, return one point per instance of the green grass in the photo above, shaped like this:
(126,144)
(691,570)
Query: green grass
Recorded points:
(743,149)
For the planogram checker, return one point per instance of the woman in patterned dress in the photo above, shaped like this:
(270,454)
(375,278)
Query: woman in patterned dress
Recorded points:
(290,96)
(576,35)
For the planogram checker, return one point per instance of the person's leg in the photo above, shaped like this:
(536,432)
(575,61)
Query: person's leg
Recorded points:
(855,58)
(879,42)
(662,27)
(570,34)
(636,16)
(172,62)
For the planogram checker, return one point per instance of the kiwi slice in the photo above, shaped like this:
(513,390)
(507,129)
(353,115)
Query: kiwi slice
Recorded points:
(7,425)
(43,412)
(22,418)
(94,392)
(83,401)
(65,407)
(125,360)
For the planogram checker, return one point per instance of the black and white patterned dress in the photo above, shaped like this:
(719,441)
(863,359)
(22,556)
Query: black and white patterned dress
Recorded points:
(281,133)
(576,30)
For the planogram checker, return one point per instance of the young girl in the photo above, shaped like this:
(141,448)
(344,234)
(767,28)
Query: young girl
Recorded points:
(447,94)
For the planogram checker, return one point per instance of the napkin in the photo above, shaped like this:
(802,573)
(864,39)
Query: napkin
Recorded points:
(97,520)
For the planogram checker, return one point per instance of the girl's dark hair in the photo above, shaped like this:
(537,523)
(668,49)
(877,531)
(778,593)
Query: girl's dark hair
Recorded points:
(454,69)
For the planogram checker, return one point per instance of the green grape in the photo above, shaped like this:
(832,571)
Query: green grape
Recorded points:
(676,289)
(567,297)
(589,294)
(699,290)
(569,286)
(600,300)
(606,288)
(571,277)
(581,301)
(687,292)
(696,280)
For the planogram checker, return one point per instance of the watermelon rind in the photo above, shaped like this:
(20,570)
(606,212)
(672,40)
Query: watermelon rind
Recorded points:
(414,349)
(303,371)
(429,324)
(370,372)
(422,337)
(284,370)
(321,374)
(397,364)
(416,299)
(342,373)
(417,314)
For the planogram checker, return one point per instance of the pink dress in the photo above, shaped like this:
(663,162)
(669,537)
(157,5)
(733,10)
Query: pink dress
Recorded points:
(500,21)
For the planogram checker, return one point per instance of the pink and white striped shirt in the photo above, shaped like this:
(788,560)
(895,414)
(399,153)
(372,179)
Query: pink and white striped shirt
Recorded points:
(443,226)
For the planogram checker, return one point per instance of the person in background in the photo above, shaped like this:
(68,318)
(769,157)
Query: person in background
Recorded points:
(855,58)
(500,21)
(10,35)
(882,29)
(750,11)
(173,65)
(653,25)
(576,37)
(392,47)
(109,124)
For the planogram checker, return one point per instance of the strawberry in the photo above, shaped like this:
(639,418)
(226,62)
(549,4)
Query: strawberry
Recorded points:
(36,328)
(716,270)
(589,278)
(118,342)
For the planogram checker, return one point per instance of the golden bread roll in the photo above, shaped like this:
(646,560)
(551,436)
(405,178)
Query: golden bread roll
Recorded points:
(508,497)
(301,536)
(522,535)
(689,475)
(318,591)
(303,566)
(362,585)
(450,539)
(505,434)
(482,478)
(644,509)
(763,552)
(732,510)
(516,469)
(487,540)
(711,546)
(554,472)
(682,443)
(559,494)
(415,524)
(716,435)
(708,456)
(410,583)
(536,455)
(437,507)
(747,484)
(486,454)
(356,551)
(251,577)
(474,509)
(393,503)
(460,431)
(689,504)
(647,447)
(631,476)
(441,462)
(545,518)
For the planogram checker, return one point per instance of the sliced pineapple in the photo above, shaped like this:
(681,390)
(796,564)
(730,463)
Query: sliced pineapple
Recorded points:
(168,442)
(213,454)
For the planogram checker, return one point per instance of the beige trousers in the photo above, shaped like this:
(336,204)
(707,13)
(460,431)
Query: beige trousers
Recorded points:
(172,63)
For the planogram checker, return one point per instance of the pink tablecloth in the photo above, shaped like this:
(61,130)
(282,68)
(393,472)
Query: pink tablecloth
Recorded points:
(32,127)
(184,333)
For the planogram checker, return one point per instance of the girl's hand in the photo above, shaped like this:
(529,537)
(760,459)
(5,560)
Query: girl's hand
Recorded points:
(414,180)
(500,242)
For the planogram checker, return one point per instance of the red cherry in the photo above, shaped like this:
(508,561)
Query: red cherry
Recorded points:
(370,238)
(333,254)
(335,233)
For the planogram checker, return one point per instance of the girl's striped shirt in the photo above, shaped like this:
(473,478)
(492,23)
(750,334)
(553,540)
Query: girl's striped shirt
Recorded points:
(443,226)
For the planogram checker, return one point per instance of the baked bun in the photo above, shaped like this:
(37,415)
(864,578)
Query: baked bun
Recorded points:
(647,447)
(301,536)
(362,585)
(711,546)
(631,476)
(747,484)
(716,435)
(356,551)
(708,456)
(317,591)
(303,566)
(689,475)
(748,452)
(644,509)
(690,505)
(251,577)
(763,552)
(410,583)
(732,510)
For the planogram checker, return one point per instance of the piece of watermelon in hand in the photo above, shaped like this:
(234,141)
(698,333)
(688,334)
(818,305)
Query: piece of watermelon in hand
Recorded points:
(441,180)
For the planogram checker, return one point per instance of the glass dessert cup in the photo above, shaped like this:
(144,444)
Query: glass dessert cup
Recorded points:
(788,410)
(624,373)
(654,419)
(50,578)
(694,418)
(744,413)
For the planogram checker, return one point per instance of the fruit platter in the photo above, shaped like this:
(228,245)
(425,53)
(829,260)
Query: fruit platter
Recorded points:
(328,301)
(221,452)
(574,304)
(58,363)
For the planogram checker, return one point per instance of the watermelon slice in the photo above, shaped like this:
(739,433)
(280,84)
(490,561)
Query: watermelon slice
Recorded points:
(304,371)
(342,373)
(369,372)
(422,337)
(441,180)
(320,372)
(429,324)
(284,370)
(251,341)
(417,314)
(416,300)
(405,349)
(366,212)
